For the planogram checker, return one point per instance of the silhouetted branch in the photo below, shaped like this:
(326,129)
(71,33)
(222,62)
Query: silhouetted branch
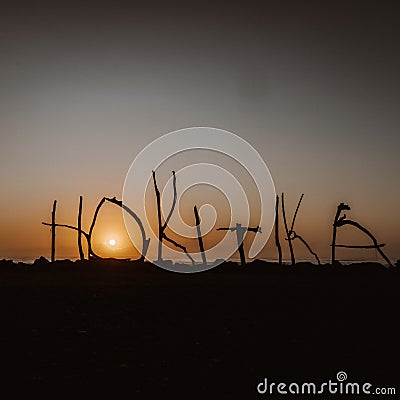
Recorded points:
(342,222)
(295,213)
(277,242)
(372,246)
(75,229)
(296,236)
(291,234)
(145,241)
(257,229)
(240,231)
(199,236)
(81,254)
(53,232)
(341,207)
(96,213)
(88,236)
(67,226)
(288,232)
(173,202)
(179,246)
(162,227)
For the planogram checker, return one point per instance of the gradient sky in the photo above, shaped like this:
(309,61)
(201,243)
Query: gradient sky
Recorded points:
(314,86)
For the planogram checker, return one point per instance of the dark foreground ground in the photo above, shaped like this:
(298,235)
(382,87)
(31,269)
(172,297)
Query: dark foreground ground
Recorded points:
(102,328)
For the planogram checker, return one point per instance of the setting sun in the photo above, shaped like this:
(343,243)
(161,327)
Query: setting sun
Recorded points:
(112,242)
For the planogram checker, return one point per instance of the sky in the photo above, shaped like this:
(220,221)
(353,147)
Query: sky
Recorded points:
(312,85)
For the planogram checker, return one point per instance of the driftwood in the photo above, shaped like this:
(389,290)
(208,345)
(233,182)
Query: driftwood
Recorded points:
(371,246)
(163,226)
(81,254)
(53,232)
(291,233)
(341,221)
(199,236)
(96,213)
(145,241)
(88,235)
(179,246)
(295,213)
(69,227)
(277,242)
(73,228)
(341,207)
(240,231)
(288,236)
(296,236)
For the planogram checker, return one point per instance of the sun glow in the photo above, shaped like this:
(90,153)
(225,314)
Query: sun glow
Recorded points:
(112,242)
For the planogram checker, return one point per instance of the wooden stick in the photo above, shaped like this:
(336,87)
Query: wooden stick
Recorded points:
(372,246)
(340,208)
(368,233)
(145,241)
(295,213)
(173,201)
(53,232)
(277,242)
(240,239)
(81,254)
(240,232)
(296,236)
(176,244)
(67,226)
(162,227)
(288,233)
(199,236)
(96,213)
(73,228)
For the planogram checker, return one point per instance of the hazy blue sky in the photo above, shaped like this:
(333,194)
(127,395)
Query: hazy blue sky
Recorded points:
(313,85)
